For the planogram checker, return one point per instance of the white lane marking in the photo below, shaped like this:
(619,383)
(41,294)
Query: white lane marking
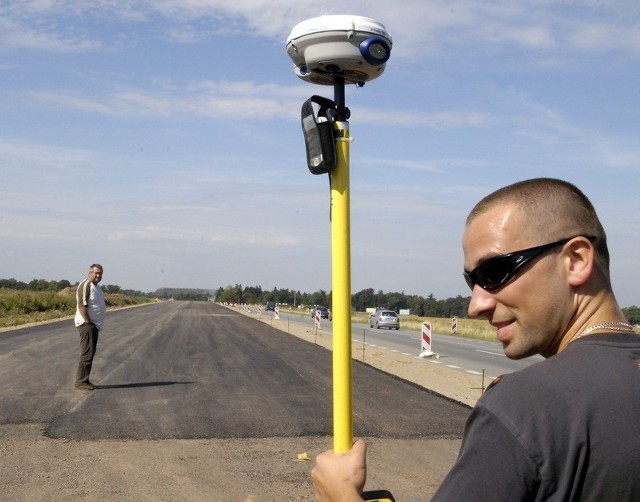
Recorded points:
(222,315)
(491,353)
(435,361)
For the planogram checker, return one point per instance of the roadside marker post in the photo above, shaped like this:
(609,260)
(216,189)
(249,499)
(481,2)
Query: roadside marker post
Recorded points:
(276,312)
(426,342)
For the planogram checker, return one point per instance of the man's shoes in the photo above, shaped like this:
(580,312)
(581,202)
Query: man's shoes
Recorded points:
(85,386)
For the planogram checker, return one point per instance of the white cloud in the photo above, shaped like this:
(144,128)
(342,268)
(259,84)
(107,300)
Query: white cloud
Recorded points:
(238,100)
(430,26)
(602,37)
(430,165)
(617,153)
(25,153)
(197,235)
(438,120)
(18,34)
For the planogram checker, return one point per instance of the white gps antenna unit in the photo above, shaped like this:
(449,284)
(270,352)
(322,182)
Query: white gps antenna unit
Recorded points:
(334,50)
(353,47)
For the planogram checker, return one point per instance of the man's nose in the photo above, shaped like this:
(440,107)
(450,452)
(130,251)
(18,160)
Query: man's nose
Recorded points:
(482,302)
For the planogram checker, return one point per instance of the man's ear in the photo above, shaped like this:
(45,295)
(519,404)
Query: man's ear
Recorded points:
(580,255)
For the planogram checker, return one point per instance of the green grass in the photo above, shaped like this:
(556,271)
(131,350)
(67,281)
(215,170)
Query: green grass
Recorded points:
(18,307)
(467,328)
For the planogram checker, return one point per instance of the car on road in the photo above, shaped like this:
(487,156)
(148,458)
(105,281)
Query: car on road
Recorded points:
(383,318)
(270,306)
(325,313)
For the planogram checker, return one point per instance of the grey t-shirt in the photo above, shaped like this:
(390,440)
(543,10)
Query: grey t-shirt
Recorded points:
(567,428)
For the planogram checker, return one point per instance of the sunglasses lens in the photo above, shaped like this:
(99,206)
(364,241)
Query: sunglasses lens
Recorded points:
(493,273)
(467,277)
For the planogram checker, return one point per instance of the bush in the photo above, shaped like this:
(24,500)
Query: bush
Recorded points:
(19,307)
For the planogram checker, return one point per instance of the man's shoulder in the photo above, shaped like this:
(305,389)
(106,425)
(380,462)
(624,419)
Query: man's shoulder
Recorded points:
(523,384)
(564,376)
(84,282)
(82,286)
(549,370)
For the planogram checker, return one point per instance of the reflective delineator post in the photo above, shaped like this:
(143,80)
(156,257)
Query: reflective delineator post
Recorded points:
(425,343)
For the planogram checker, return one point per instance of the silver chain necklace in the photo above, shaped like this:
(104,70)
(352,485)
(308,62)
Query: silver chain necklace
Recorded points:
(615,326)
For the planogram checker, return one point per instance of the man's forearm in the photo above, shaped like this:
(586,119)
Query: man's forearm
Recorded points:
(84,313)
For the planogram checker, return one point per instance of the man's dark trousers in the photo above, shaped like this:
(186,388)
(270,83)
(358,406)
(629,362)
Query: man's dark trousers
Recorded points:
(88,343)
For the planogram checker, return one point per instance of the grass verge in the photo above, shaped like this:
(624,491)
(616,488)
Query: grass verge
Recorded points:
(18,307)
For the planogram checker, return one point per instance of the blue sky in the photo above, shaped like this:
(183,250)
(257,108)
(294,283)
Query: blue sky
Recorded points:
(162,138)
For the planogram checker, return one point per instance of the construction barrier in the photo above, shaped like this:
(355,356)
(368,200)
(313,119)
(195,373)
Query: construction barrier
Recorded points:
(426,341)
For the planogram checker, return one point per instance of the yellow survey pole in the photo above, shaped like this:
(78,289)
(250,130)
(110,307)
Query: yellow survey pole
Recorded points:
(341,292)
(337,50)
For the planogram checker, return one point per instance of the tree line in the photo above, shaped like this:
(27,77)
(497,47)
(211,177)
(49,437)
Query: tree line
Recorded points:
(43,285)
(360,301)
(364,299)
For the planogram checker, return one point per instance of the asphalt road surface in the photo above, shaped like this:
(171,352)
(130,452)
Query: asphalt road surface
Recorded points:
(181,370)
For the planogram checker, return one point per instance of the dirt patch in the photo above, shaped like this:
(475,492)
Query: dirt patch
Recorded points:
(38,468)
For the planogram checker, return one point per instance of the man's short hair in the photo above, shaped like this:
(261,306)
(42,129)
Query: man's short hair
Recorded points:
(555,209)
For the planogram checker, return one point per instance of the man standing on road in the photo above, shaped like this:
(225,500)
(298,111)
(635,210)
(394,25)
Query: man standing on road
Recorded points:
(89,319)
(537,263)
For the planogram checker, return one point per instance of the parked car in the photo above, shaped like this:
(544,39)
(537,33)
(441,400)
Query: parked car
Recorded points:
(325,313)
(384,319)
(270,306)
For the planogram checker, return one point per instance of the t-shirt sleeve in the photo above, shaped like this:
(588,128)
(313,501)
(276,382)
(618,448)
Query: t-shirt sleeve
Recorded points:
(492,464)
(83,293)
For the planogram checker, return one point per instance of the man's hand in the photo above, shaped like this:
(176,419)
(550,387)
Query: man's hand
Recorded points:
(340,477)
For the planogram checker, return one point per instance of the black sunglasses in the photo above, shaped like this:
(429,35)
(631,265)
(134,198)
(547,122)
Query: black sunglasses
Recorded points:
(498,270)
